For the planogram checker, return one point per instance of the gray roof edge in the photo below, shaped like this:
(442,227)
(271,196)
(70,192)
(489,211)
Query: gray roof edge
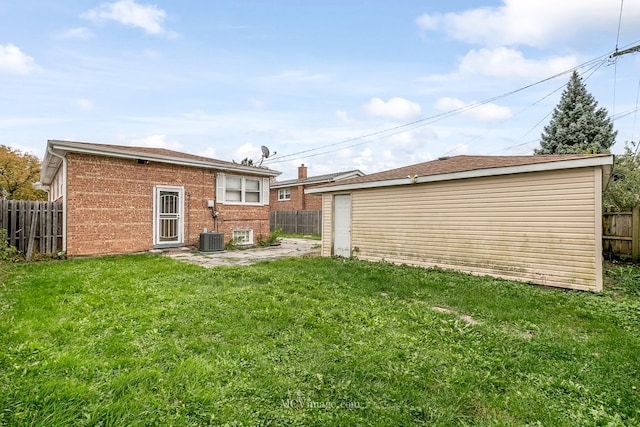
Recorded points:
(475,173)
(61,147)
(319,179)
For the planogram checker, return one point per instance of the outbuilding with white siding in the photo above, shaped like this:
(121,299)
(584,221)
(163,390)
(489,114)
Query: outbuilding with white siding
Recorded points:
(530,218)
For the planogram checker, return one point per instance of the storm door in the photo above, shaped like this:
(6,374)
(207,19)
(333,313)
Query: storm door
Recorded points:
(168,222)
(342,225)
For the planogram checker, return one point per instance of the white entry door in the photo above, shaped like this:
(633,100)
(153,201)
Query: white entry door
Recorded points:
(342,225)
(168,223)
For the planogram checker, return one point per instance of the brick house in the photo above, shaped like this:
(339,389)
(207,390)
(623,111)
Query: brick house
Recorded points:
(120,199)
(290,195)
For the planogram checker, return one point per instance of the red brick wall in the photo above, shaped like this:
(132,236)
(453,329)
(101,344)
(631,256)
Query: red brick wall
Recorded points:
(233,217)
(298,202)
(110,204)
(312,202)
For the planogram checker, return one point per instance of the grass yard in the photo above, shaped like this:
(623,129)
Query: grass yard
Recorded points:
(145,340)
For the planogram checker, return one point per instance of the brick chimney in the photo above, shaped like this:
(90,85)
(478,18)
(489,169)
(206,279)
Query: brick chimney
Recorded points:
(302,172)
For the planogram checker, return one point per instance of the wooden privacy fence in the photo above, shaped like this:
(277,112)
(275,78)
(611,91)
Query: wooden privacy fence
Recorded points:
(621,234)
(32,226)
(296,222)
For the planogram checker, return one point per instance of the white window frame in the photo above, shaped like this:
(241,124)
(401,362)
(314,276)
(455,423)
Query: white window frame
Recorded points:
(284,194)
(262,191)
(249,238)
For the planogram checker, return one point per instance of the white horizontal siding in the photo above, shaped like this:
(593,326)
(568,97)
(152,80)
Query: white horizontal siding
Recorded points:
(327,229)
(538,227)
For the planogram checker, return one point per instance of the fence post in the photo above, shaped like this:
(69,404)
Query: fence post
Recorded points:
(32,230)
(635,233)
(297,220)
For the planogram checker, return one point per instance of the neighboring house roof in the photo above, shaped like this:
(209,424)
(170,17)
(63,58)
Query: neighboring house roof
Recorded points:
(318,179)
(57,149)
(459,167)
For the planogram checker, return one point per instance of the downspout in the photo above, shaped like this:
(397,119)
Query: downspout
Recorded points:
(64,197)
(186,241)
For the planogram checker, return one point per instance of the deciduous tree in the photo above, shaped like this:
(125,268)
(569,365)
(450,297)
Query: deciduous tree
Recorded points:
(18,172)
(623,191)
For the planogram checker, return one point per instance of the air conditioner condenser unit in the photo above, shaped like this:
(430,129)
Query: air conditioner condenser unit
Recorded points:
(211,242)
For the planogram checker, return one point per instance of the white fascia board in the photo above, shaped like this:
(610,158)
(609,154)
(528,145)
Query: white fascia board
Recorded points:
(50,165)
(351,174)
(278,185)
(478,173)
(125,154)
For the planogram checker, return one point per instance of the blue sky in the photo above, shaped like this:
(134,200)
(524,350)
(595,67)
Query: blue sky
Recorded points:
(332,84)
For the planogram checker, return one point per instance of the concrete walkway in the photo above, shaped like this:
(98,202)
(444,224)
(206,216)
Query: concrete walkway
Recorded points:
(287,248)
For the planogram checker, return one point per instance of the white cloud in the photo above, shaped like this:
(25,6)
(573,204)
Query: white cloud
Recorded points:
(345,118)
(404,140)
(505,62)
(530,22)
(147,17)
(257,104)
(363,160)
(247,150)
(483,112)
(396,108)
(456,150)
(26,149)
(429,22)
(208,152)
(14,61)
(157,141)
(151,54)
(297,76)
(80,33)
(84,104)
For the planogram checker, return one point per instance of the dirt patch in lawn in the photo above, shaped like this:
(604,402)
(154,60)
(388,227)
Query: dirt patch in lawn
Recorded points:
(465,317)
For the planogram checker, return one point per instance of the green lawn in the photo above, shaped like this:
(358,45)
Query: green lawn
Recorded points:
(145,340)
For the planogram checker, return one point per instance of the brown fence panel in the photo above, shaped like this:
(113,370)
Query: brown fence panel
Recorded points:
(620,234)
(32,226)
(296,222)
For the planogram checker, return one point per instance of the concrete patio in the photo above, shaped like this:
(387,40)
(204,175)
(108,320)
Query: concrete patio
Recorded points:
(287,248)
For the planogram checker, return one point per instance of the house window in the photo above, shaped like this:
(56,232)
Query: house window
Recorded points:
(241,190)
(284,194)
(251,190)
(243,237)
(233,189)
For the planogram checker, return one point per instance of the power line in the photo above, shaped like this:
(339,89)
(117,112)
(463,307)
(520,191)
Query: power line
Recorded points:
(615,64)
(423,121)
(633,128)
(619,24)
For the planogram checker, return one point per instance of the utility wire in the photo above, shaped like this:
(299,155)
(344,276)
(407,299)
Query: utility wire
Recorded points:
(625,113)
(615,61)
(633,128)
(423,121)
(619,24)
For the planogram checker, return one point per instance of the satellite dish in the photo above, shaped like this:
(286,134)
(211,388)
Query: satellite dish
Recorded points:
(265,152)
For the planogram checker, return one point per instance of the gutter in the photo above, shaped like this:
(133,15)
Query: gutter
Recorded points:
(505,170)
(125,154)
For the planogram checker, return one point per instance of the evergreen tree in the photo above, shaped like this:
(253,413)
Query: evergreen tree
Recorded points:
(577,124)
